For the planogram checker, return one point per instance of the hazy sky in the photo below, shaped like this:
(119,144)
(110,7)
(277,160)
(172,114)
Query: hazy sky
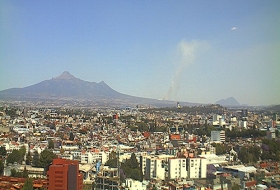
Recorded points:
(193,51)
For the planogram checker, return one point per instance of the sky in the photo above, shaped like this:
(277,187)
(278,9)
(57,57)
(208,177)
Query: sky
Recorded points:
(190,51)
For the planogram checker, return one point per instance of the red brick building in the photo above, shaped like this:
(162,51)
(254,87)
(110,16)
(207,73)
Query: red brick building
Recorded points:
(64,175)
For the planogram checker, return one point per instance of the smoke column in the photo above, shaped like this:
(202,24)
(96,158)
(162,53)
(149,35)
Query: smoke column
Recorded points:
(186,53)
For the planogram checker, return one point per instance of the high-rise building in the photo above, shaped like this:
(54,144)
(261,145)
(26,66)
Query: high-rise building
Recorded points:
(177,168)
(275,117)
(154,168)
(64,175)
(197,168)
(218,136)
(244,113)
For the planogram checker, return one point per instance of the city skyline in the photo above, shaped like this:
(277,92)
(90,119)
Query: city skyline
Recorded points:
(189,51)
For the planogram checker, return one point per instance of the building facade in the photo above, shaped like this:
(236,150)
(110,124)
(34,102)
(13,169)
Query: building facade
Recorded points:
(197,168)
(218,136)
(177,168)
(154,168)
(64,175)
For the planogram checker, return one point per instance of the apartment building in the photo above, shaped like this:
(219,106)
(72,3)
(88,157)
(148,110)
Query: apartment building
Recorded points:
(64,175)
(177,168)
(197,168)
(155,168)
(218,136)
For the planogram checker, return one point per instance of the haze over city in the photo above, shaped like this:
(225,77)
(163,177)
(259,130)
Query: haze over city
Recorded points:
(193,51)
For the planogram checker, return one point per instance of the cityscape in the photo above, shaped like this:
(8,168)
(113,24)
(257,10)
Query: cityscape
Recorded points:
(179,147)
(139,95)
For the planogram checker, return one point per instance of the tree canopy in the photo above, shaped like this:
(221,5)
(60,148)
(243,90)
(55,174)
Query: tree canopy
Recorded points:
(112,161)
(36,159)
(249,154)
(51,144)
(270,149)
(131,168)
(15,156)
(3,151)
(1,167)
(46,157)
(28,184)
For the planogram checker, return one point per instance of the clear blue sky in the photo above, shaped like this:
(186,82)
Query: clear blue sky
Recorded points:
(194,51)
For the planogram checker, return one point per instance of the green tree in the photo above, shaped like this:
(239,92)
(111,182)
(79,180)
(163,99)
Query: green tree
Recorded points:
(22,152)
(15,156)
(133,161)
(13,172)
(46,157)
(3,151)
(11,112)
(1,167)
(71,136)
(132,169)
(50,144)
(220,148)
(113,160)
(235,187)
(28,184)
(242,155)
(270,149)
(36,159)
(142,126)
(249,154)
(25,173)
(28,158)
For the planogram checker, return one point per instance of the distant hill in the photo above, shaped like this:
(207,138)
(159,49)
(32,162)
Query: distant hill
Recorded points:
(231,101)
(63,86)
(67,88)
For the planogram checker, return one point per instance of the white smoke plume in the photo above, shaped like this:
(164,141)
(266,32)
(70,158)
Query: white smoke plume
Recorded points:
(186,53)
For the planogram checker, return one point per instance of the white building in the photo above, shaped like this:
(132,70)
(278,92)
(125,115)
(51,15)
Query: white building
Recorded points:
(243,124)
(154,168)
(218,136)
(69,145)
(90,157)
(131,184)
(240,170)
(177,168)
(197,168)
(214,159)
(216,120)
(270,133)
(86,157)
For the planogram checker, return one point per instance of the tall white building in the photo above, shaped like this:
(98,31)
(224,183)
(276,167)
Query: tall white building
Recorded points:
(243,124)
(218,136)
(90,157)
(131,184)
(197,168)
(143,159)
(216,120)
(154,168)
(177,168)
(86,157)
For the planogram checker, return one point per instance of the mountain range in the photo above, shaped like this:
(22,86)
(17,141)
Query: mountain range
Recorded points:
(67,87)
(231,101)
